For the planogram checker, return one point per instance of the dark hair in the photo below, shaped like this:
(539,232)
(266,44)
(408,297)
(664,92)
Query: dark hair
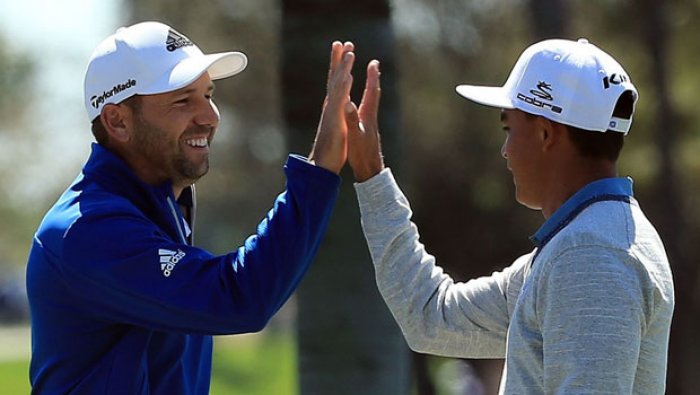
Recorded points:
(597,145)
(603,145)
(98,128)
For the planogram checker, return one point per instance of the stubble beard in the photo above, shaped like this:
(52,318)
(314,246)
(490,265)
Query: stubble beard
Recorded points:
(152,143)
(188,171)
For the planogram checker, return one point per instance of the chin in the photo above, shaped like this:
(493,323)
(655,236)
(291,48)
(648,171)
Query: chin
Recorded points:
(529,203)
(189,170)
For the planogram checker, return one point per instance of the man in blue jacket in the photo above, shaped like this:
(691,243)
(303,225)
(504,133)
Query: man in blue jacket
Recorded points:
(121,301)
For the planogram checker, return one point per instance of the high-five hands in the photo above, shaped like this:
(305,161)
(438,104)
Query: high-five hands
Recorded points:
(346,133)
(330,149)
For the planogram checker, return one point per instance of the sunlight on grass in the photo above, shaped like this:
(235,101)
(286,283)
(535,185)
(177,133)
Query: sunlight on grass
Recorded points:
(259,364)
(14,376)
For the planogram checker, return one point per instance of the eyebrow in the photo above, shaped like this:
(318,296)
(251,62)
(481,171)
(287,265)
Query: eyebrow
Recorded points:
(504,116)
(210,88)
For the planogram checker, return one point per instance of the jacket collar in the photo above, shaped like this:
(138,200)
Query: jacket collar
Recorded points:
(605,189)
(115,176)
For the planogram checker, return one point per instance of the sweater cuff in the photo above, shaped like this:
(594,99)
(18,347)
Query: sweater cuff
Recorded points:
(300,164)
(378,193)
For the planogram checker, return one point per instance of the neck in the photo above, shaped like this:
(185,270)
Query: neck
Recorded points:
(567,180)
(144,171)
(177,190)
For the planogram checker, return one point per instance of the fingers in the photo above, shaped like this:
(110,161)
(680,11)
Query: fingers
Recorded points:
(340,82)
(352,119)
(338,49)
(369,106)
(336,53)
(372,75)
(330,146)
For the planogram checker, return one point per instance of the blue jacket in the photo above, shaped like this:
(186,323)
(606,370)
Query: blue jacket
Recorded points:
(121,303)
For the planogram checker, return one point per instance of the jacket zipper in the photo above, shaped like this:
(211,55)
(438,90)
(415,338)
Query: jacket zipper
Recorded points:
(177,220)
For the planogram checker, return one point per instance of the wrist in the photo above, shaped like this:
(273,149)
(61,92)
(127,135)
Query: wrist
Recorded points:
(364,174)
(326,166)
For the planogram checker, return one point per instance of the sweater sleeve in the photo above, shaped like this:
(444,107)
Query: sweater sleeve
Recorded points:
(126,270)
(436,315)
(592,316)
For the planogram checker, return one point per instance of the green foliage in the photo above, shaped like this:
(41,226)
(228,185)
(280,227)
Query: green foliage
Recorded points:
(15,74)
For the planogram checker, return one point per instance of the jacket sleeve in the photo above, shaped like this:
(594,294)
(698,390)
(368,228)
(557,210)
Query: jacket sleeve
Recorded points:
(126,270)
(436,315)
(591,303)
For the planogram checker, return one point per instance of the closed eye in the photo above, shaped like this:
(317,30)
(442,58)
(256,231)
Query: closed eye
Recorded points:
(504,121)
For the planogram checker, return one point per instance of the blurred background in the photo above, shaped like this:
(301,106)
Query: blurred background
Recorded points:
(336,336)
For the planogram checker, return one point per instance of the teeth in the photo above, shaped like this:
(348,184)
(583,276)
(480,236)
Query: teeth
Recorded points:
(199,143)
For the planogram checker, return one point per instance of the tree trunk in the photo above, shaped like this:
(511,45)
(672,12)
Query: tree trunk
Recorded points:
(348,343)
(548,19)
(683,362)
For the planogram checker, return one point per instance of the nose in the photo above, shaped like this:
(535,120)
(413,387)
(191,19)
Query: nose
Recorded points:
(208,115)
(503,150)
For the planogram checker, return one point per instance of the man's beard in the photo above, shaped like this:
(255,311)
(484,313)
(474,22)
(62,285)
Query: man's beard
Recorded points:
(153,143)
(188,171)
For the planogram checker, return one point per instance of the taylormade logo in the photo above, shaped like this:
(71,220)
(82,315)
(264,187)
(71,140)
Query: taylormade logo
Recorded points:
(97,101)
(168,260)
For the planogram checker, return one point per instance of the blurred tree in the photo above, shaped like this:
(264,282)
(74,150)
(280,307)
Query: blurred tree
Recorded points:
(548,19)
(348,342)
(671,221)
(16,72)
(15,76)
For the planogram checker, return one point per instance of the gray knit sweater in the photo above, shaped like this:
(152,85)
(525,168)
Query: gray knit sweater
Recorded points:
(588,311)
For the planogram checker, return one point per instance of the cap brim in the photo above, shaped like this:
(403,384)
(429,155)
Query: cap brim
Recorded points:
(226,64)
(493,96)
(219,65)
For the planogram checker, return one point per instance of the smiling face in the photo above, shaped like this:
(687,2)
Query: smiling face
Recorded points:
(172,133)
(522,150)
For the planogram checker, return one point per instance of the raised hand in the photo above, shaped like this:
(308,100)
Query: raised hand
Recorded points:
(330,149)
(364,146)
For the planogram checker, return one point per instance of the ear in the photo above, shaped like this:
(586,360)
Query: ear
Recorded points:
(551,133)
(117,121)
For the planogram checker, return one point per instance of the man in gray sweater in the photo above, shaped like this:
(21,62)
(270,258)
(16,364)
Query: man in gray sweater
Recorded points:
(589,308)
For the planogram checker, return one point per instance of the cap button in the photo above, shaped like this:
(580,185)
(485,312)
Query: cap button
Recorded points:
(583,40)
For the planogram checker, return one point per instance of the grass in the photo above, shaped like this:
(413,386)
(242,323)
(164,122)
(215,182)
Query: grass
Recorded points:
(258,364)
(14,376)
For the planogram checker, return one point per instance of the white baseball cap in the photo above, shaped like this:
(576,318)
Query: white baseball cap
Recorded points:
(149,58)
(570,82)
